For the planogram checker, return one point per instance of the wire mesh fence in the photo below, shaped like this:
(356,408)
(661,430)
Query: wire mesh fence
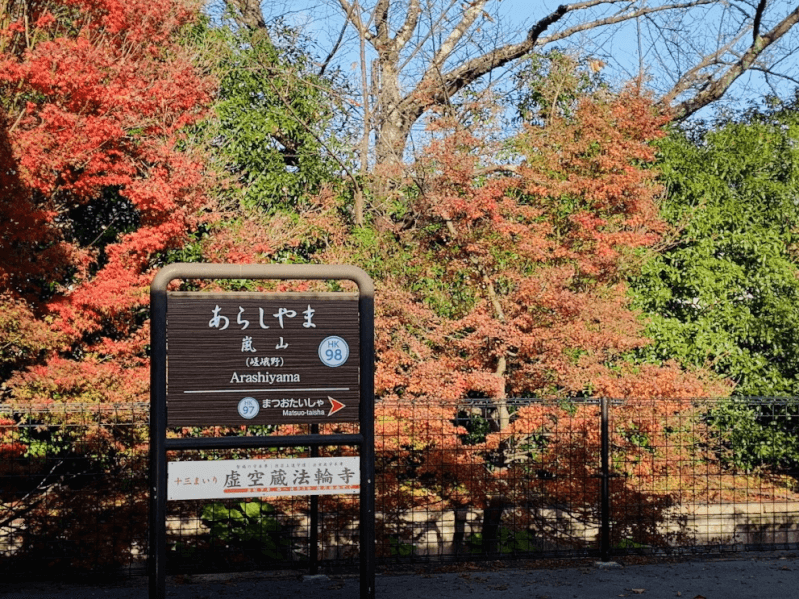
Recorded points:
(73,495)
(706,475)
(465,480)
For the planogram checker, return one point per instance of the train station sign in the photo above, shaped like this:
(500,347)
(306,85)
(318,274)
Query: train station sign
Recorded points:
(252,359)
(262,358)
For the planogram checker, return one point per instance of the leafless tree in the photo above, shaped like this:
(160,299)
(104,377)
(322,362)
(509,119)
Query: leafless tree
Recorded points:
(422,53)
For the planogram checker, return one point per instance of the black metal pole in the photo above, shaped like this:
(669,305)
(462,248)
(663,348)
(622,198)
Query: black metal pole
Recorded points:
(367,427)
(313,550)
(158,476)
(604,541)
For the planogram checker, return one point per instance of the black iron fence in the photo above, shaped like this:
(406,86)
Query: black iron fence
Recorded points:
(461,480)
(73,487)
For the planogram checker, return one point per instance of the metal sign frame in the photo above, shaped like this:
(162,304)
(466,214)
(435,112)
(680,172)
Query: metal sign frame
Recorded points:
(160,444)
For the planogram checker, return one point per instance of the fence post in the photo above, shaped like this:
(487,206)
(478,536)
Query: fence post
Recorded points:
(604,540)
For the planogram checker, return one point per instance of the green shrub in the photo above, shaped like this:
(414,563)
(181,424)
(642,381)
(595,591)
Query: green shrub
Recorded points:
(251,525)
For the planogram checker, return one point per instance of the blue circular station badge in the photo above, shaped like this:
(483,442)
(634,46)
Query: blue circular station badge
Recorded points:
(248,408)
(333,351)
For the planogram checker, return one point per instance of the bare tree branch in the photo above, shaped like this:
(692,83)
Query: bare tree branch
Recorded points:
(408,27)
(620,17)
(434,26)
(447,66)
(716,88)
(380,17)
(473,11)
(761,8)
(337,45)
(355,18)
(771,73)
(698,74)
(472,70)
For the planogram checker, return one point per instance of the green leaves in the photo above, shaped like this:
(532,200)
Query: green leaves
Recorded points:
(273,126)
(725,293)
(506,542)
(249,523)
(752,436)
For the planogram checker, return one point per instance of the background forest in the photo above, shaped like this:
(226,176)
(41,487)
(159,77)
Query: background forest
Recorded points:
(559,233)
(561,238)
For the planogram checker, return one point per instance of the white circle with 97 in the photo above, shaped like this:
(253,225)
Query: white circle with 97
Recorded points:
(249,408)
(333,351)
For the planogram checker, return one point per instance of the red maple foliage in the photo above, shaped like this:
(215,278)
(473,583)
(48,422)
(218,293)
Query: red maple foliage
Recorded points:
(93,185)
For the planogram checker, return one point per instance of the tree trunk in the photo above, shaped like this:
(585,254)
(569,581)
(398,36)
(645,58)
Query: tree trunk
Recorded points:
(395,114)
(391,137)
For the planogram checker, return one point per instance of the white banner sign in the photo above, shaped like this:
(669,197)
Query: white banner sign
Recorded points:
(263,478)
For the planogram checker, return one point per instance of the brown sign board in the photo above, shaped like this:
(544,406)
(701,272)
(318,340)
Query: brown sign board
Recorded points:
(262,358)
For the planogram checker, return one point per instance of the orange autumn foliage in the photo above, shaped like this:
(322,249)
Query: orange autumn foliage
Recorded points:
(95,185)
(539,250)
(532,255)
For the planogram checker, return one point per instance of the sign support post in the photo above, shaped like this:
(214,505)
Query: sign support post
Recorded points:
(309,380)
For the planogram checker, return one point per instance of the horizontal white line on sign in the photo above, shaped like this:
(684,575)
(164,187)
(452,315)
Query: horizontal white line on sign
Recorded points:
(325,389)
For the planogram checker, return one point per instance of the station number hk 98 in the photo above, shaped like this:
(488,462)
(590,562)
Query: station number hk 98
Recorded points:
(333,351)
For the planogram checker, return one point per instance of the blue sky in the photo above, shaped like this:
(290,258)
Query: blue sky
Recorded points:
(619,47)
